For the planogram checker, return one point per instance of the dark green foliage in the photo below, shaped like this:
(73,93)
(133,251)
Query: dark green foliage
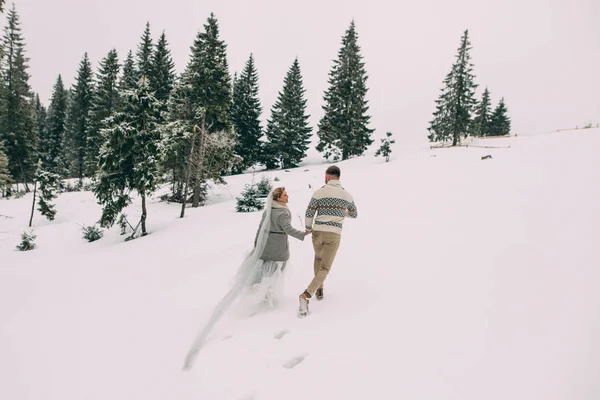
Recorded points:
(52,143)
(208,74)
(27,241)
(128,78)
(162,71)
(130,157)
(264,187)
(92,233)
(144,55)
(198,112)
(245,114)
(5,177)
(288,133)
(80,119)
(106,102)
(482,121)
(385,149)
(48,184)
(250,200)
(18,129)
(452,118)
(500,122)
(343,130)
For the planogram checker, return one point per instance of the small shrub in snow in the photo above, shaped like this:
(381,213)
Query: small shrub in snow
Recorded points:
(27,241)
(250,200)
(276,179)
(385,150)
(91,233)
(123,224)
(264,187)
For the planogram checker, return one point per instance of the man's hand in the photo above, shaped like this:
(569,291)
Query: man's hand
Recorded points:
(308,233)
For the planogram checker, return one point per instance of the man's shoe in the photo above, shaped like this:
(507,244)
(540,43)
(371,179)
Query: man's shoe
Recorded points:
(319,294)
(303,308)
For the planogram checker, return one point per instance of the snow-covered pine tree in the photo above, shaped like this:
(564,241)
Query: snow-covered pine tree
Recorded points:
(128,78)
(182,116)
(481,122)
(500,122)
(288,133)
(144,55)
(56,128)
(212,82)
(452,117)
(80,119)
(162,72)
(249,201)
(130,156)
(207,75)
(48,186)
(245,114)
(106,102)
(27,241)
(385,149)
(17,108)
(343,130)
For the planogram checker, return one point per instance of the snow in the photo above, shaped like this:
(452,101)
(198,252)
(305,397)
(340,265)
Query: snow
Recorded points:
(462,279)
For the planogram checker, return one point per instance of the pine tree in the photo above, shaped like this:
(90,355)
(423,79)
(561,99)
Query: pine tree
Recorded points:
(2,5)
(210,78)
(452,117)
(245,114)
(130,157)
(207,77)
(106,103)
(128,79)
(41,114)
(80,119)
(481,122)
(500,122)
(17,113)
(5,177)
(144,55)
(48,184)
(288,133)
(56,130)
(343,130)
(385,149)
(162,75)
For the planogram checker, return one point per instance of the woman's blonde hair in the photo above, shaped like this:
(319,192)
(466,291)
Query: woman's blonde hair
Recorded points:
(277,193)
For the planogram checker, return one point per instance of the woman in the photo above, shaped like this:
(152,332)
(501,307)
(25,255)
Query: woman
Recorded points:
(276,249)
(271,251)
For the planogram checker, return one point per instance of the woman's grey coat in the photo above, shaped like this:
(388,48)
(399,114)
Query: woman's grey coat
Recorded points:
(277,246)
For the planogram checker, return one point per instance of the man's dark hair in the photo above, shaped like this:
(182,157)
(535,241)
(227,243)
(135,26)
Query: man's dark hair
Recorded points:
(333,170)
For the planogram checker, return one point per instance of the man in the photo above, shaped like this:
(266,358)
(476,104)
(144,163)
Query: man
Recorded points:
(325,217)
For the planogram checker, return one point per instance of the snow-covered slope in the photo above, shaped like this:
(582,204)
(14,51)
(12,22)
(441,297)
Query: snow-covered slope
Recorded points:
(462,278)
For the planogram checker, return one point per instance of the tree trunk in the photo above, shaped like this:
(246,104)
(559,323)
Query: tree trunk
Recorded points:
(33,204)
(200,165)
(143,220)
(187,174)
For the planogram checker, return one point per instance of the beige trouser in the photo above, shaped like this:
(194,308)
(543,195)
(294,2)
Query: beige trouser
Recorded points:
(326,245)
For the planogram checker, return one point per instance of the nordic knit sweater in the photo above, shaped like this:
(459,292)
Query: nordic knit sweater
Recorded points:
(331,204)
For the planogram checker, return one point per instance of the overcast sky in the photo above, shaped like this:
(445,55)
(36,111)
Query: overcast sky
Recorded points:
(542,56)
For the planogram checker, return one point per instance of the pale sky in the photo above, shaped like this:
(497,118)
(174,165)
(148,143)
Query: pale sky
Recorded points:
(542,56)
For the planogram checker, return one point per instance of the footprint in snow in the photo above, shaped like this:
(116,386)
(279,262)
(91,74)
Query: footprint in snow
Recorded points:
(292,362)
(281,334)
